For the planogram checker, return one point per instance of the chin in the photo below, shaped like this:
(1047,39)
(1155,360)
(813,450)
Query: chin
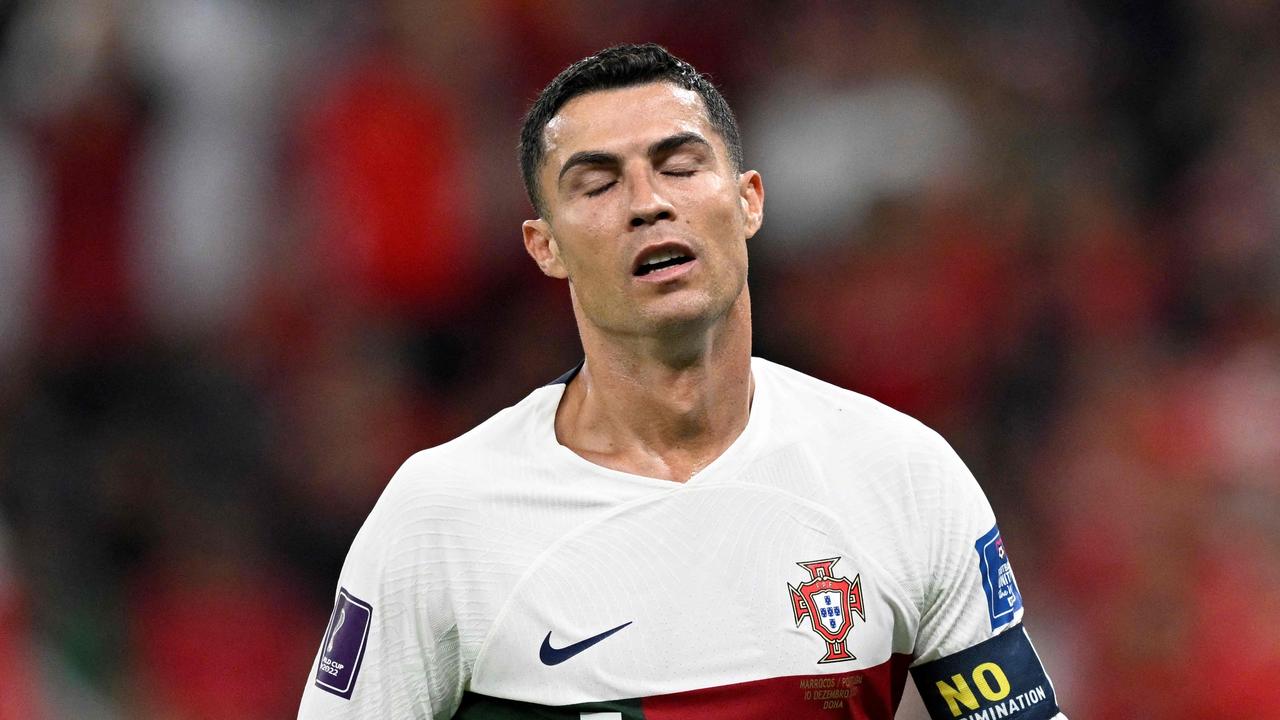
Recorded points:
(688,315)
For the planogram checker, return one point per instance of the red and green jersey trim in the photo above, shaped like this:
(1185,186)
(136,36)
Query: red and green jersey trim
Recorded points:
(868,694)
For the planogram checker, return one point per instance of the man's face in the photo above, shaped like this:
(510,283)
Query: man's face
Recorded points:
(645,215)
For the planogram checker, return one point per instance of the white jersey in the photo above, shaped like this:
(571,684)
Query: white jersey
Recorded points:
(835,545)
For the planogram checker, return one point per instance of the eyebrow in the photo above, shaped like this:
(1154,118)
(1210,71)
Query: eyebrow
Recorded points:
(588,157)
(661,147)
(677,141)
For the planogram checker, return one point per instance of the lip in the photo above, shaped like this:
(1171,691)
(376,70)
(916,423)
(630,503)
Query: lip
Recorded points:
(666,273)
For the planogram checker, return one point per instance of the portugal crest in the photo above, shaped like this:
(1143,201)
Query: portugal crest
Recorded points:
(829,603)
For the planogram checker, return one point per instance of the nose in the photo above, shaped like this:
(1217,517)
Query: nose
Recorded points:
(648,205)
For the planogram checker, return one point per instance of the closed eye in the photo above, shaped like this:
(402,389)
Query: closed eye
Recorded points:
(601,189)
(679,173)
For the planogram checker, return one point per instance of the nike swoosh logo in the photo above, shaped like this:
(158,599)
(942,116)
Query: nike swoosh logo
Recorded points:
(554,656)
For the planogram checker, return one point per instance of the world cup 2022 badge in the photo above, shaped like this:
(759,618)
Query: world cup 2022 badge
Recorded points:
(829,602)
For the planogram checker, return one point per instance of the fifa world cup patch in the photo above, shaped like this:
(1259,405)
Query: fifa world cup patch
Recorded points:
(830,603)
(1003,598)
(344,645)
(998,678)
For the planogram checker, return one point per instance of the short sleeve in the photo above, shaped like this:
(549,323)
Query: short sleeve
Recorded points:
(971,652)
(957,518)
(387,650)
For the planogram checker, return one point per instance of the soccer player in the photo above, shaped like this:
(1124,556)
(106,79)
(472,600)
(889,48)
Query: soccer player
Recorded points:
(675,529)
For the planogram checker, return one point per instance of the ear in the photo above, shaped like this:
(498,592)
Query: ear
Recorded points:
(541,245)
(751,196)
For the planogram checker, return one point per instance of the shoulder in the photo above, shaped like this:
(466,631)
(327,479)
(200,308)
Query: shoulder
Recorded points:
(815,409)
(871,455)
(509,437)
(896,482)
(446,483)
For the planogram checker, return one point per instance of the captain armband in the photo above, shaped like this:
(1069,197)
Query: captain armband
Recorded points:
(998,678)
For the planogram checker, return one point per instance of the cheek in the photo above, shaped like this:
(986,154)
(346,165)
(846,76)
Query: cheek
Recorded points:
(723,217)
(584,253)
(586,225)
(725,202)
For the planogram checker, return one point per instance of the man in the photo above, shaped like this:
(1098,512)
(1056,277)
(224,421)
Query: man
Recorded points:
(676,529)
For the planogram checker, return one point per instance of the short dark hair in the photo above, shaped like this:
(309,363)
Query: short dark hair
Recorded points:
(618,67)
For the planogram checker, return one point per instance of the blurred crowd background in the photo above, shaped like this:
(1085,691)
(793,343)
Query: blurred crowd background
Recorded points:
(255,253)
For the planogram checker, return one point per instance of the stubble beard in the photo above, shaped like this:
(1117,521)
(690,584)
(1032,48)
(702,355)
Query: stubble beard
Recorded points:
(679,338)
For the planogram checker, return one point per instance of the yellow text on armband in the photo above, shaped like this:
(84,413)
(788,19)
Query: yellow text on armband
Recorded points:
(987,677)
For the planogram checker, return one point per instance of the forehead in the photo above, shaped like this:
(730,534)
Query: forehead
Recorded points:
(623,119)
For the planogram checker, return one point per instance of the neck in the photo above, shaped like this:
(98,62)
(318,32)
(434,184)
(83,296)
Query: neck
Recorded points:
(664,406)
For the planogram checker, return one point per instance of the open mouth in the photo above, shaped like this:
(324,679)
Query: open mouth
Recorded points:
(660,260)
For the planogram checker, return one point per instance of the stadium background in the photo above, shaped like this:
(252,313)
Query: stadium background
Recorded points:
(253,254)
